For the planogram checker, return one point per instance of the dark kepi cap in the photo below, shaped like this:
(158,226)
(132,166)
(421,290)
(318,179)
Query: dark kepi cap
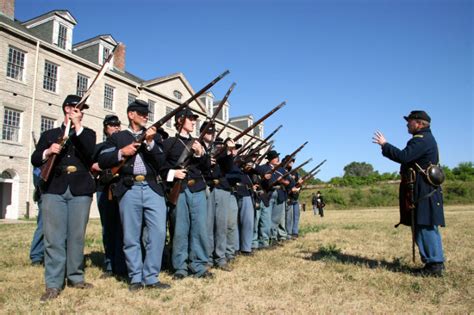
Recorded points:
(211,129)
(73,100)
(186,113)
(272,154)
(418,114)
(111,120)
(138,106)
(288,157)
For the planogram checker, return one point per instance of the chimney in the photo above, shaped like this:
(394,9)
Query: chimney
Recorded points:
(7,8)
(119,57)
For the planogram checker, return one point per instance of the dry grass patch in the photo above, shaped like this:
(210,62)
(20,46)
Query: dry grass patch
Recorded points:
(349,261)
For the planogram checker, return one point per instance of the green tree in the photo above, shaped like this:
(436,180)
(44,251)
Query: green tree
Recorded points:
(358,169)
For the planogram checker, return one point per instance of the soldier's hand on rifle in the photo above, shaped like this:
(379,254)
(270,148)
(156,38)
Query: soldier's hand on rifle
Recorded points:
(150,134)
(197,148)
(180,174)
(55,148)
(267,176)
(300,181)
(75,115)
(95,167)
(379,138)
(130,149)
(295,189)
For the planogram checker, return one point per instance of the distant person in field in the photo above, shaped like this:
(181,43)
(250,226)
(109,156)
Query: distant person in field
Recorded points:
(319,204)
(421,199)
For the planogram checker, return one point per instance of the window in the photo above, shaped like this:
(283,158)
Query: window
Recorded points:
(11,125)
(62,36)
(225,113)
(168,110)
(50,76)
(105,54)
(109,97)
(16,64)
(209,106)
(46,123)
(198,126)
(131,98)
(177,94)
(151,108)
(82,83)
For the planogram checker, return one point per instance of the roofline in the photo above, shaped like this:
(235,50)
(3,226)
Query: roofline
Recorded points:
(47,13)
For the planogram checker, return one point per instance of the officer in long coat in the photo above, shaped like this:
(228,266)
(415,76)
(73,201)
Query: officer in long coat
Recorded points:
(424,198)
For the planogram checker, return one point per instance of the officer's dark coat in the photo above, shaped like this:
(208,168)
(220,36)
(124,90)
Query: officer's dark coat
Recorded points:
(173,147)
(421,149)
(219,170)
(152,160)
(77,152)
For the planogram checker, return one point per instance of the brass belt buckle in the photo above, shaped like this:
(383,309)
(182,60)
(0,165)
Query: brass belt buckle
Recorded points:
(139,178)
(71,169)
(215,182)
(191,182)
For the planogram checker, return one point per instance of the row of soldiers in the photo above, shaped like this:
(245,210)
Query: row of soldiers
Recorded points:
(216,202)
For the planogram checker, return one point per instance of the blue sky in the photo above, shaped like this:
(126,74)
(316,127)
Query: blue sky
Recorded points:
(345,68)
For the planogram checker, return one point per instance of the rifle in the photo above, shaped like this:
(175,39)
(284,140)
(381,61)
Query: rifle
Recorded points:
(243,133)
(310,173)
(283,164)
(263,143)
(294,170)
(187,152)
(47,167)
(220,131)
(260,159)
(164,119)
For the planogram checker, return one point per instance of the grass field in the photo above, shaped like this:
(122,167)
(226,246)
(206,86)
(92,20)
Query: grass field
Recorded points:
(351,261)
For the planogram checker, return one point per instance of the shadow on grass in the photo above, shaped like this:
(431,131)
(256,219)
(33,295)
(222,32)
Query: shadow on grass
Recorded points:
(335,255)
(97,260)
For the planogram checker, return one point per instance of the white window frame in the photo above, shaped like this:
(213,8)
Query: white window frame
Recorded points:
(10,64)
(44,119)
(80,90)
(52,64)
(169,123)
(62,41)
(151,109)
(131,98)
(109,99)
(11,129)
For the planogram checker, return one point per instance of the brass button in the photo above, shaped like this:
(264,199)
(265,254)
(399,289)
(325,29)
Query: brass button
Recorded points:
(191,182)
(139,178)
(71,169)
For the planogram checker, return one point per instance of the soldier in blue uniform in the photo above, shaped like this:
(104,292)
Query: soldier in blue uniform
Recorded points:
(218,197)
(140,195)
(424,198)
(112,235)
(189,216)
(66,199)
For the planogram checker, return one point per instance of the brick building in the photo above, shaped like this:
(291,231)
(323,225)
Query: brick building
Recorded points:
(40,65)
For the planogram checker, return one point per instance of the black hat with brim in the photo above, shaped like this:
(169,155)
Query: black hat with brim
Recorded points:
(272,154)
(418,114)
(73,100)
(185,113)
(111,120)
(211,129)
(138,106)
